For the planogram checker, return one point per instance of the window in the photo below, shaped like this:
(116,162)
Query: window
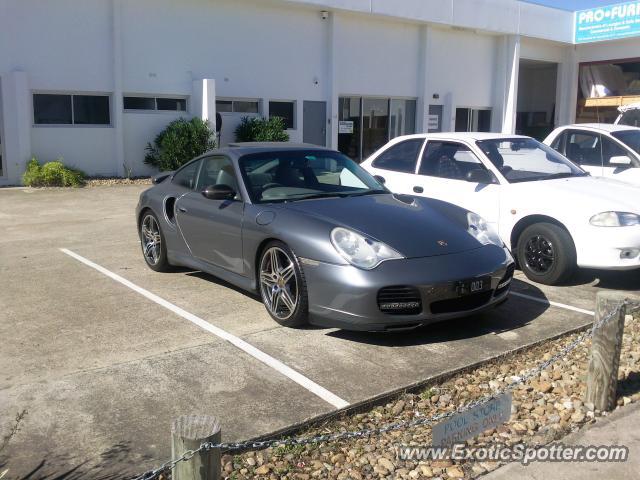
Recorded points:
(237,106)
(631,138)
(284,110)
(186,176)
(448,160)
(473,120)
(401,157)
(592,149)
(217,171)
(155,103)
(68,109)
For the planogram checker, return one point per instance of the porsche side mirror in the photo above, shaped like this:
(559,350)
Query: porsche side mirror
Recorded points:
(620,161)
(480,175)
(218,192)
(379,179)
(160,177)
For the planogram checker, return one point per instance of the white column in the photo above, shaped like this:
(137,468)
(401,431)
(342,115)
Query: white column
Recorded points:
(117,107)
(506,85)
(424,93)
(17,120)
(203,100)
(332,88)
(567,87)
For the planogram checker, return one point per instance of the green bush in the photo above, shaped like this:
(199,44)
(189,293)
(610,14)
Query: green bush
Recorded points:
(51,174)
(255,129)
(181,141)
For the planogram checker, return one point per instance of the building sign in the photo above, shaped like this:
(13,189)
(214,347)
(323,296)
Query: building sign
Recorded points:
(345,126)
(473,422)
(433,123)
(607,23)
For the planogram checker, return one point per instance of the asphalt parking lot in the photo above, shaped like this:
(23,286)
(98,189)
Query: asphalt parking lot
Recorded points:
(103,352)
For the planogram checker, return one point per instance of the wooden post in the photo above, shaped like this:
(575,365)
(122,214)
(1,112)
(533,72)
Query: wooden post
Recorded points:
(188,432)
(602,378)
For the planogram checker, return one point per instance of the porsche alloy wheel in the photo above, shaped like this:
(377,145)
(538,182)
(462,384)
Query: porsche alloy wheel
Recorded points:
(282,286)
(153,245)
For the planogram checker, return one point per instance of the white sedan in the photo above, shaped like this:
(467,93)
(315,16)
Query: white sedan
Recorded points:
(602,149)
(552,214)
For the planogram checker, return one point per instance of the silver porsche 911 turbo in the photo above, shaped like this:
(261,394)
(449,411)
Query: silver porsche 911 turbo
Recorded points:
(322,241)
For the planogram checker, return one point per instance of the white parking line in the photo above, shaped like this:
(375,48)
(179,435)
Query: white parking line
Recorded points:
(554,304)
(268,360)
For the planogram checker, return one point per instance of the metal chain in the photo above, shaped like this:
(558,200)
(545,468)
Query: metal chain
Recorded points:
(405,424)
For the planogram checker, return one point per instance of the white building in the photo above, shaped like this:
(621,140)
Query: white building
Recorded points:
(93,81)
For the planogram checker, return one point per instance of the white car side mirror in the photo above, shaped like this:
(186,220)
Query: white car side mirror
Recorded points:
(620,160)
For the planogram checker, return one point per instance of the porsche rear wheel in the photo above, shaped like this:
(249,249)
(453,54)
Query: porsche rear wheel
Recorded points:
(154,249)
(282,285)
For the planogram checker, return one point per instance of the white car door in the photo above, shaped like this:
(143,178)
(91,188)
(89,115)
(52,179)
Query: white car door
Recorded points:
(396,165)
(449,171)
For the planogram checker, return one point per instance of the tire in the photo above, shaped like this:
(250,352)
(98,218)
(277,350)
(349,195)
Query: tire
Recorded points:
(283,288)
(546,253)
(150,231)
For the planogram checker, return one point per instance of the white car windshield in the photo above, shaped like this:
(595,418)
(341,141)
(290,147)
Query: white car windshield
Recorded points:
(527,160)
(631,138)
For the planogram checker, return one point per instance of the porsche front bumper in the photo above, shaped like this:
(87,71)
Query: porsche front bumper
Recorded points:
(347,297)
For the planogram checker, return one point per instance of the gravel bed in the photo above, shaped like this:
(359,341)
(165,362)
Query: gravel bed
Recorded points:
(110,181)
(545,409)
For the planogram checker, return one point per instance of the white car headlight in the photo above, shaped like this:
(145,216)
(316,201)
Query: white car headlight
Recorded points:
(361,251)
(482,231)
(615,219)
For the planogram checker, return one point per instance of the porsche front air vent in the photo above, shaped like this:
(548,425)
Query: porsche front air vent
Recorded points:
(400,300)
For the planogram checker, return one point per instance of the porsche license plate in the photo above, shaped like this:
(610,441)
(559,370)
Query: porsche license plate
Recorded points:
(475,285)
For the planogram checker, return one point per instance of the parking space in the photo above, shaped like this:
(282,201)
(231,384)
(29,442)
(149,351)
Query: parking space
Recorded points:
(104,353)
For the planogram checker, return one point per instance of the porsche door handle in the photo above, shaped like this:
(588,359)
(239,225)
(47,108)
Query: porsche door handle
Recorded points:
(182,209)
(417,189)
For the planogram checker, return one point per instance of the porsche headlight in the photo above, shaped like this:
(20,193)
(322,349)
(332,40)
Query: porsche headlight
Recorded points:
(361,251)
(482,231)
(615,219)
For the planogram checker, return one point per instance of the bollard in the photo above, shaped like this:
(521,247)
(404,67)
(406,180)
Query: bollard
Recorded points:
(602,377)
(188,432)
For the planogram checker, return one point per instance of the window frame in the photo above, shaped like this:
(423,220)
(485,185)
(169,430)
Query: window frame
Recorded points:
(109,96)
(155,98)
(294,104)
(197,174)
(233,101)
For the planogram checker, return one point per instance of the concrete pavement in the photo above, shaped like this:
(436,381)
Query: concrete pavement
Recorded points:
(103,371)
(622,427)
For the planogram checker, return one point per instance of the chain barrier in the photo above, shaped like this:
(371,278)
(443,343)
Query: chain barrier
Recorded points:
(405,424)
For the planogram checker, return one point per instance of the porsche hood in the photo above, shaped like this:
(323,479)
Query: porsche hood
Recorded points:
(413,226)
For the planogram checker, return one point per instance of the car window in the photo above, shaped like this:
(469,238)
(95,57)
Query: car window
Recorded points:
(584,148)
(611,149)
(631,138)
(448,160)
(187,175)
(630,117)
(401,157)
(558,142)
(217,171)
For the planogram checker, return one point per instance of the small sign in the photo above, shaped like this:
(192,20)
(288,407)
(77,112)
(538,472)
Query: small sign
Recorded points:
(607,22)
(433,122)
(473,422)
(345,126)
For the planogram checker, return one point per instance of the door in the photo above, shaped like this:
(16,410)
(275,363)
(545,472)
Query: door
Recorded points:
(443,172)
(314,122)
(213,228)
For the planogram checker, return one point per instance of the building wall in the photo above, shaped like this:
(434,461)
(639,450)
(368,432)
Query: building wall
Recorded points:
(462,51)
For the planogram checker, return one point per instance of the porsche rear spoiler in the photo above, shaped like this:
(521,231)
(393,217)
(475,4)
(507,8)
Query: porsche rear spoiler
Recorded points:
(160,177)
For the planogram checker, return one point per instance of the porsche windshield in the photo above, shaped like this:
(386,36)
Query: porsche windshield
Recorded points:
(291,175)
(527,160)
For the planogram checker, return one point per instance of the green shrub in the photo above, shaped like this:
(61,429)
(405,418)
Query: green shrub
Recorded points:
(51,174)
(181,141)
(255,129)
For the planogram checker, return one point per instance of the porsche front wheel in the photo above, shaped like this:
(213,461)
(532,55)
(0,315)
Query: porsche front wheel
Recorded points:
(282,285)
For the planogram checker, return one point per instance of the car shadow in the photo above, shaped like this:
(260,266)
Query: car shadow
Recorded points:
(608,279)
(513,314)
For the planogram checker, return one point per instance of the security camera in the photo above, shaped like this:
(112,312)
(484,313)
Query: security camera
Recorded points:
(324,14)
